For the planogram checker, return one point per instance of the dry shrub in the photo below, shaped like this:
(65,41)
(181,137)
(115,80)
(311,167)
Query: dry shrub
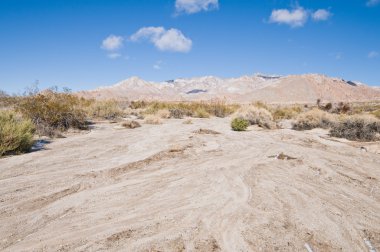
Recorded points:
(180,109)
(314,118)
(138,104)
(376,113)
(109,109)
(201,113)
(219,108)
(342,108)
(7,101)
(151,119)
(281,113)
(51,111)
(366,107)
(16,133)
(163,113)
(177,113)
(260,104)
(134,112)
(357,127)
(131,124)
(256,116)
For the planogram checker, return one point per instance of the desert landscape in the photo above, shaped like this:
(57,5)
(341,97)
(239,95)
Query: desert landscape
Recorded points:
(189,126)
(173,176)
(172,188)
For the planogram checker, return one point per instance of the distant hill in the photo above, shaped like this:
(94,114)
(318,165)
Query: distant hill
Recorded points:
(272,89)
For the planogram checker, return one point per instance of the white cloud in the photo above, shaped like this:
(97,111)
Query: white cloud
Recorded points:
(371,3)
(194,6)
(165,40)
(294,18)
(321,15)
(112,43)
(373,54)
(114,55)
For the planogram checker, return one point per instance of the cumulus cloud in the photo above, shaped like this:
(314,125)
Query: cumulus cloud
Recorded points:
(294,18)
(112,43)
(298,17)
(194,6)
(164,40)
(373,54)
(321,15)
(371,3)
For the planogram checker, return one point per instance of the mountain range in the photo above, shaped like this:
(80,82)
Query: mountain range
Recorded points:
(305,88)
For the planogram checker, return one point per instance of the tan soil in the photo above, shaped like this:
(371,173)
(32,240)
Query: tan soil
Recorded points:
(166,188)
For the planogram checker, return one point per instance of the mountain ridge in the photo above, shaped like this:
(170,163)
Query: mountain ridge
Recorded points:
(305,88)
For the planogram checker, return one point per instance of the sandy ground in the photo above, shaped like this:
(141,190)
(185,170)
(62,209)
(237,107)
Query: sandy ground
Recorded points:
(166,188)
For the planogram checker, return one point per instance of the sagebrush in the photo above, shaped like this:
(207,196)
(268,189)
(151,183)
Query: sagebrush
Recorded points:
(357,128)
(16,133)
(256,116)
(52,111)
(314,118)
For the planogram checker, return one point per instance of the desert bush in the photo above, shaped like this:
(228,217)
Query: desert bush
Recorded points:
(314,118)
(16,133)
(376,113)
(177,113)
(163,113)
(358,128)
(260,104)
(180,109)
(131,124)
(109,109)
(256,116)
(219,108)
(7,101)
(152,119)
(327,107)
(280,113)
(201,113)
(365,107)
(239,124)
(188,121)
(342,108)
(138,104)
(51,111)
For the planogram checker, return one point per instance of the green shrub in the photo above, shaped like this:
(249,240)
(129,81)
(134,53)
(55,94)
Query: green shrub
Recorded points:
(239,124)
(327,107)
(51,111)
(16,134)
(358,128)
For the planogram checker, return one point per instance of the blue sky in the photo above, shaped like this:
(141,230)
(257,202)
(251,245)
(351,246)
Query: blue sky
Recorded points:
(83,44)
